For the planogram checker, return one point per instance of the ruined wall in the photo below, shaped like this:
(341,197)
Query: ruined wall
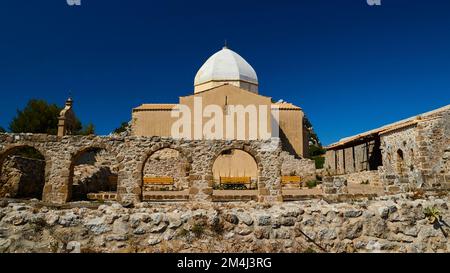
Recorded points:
(92,179)
(167,163)
(400,170)
(417,156)
(433,142)
(127,156)
(305,168)
(390,224)
(373,177)
(22,177)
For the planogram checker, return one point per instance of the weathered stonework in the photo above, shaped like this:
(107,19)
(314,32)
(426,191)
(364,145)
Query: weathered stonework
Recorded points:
(22,176)
(334,185)
(407,155)
(291,166)
(126,157)
(364,177)
(389,224)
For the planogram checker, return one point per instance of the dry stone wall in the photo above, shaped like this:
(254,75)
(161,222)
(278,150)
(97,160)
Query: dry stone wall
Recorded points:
(394,224)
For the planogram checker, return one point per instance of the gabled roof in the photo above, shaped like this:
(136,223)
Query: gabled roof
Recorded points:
(149,107)
(387,128)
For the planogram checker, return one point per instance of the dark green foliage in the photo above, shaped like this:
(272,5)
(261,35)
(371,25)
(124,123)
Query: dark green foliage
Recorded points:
(89,129)
(230,187)
(198,230)
(40,117)
(37,117)
(123,127)
(313,138)
(315,150)
(2,130)
(311,184)
(319,160)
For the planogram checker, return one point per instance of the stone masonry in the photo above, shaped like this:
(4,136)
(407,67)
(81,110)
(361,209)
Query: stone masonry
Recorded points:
(127,156)
(387,224)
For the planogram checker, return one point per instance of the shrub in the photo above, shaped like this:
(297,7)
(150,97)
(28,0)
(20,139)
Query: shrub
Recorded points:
(311,184)
(183,232)
(198,230)
(320,161)
(433,214)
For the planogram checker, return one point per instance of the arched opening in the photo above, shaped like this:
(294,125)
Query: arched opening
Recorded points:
(166,170)
(91,177)
(235,169)
(400,161)
(22,173)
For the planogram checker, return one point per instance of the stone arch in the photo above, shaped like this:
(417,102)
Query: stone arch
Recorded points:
(27,175)
(91,176)
(249,166)
(244,148)
(179,170)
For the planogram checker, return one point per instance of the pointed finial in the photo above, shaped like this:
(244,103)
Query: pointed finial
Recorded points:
(226,44)
(69,100)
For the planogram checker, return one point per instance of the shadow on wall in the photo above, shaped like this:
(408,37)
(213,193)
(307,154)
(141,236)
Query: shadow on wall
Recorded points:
(376,158)
(168,170)
(90,175)
(22,173)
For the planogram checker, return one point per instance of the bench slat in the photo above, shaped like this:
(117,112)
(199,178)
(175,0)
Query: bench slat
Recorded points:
(159,180)
(291,179)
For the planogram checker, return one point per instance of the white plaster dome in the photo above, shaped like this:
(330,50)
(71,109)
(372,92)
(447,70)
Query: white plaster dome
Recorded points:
(226,67)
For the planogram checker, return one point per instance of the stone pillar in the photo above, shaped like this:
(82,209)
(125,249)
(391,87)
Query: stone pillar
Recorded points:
(201,179)
(269,182)
(129,182)
(57,188)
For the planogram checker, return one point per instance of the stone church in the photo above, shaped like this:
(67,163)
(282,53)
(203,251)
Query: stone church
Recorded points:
(225,80)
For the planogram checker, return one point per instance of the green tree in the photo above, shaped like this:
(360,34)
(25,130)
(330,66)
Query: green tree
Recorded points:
(316,151)
(123,127)
(2,130)
(89,129)
(40,117)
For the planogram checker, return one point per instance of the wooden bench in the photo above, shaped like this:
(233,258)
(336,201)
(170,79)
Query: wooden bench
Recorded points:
(235,181)
(164,181)
(288,180)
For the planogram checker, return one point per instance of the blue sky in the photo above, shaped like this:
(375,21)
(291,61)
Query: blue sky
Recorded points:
(350,66)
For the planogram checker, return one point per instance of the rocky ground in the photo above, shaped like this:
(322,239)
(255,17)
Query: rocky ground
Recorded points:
(388,224)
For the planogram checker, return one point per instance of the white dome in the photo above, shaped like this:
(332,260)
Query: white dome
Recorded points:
(226,66)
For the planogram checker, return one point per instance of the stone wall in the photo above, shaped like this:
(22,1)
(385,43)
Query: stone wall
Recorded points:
(22,177)
(167,163)
(369,177)
(291,166)
(409,155)
(415,157)
(126,156)
(394,224)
